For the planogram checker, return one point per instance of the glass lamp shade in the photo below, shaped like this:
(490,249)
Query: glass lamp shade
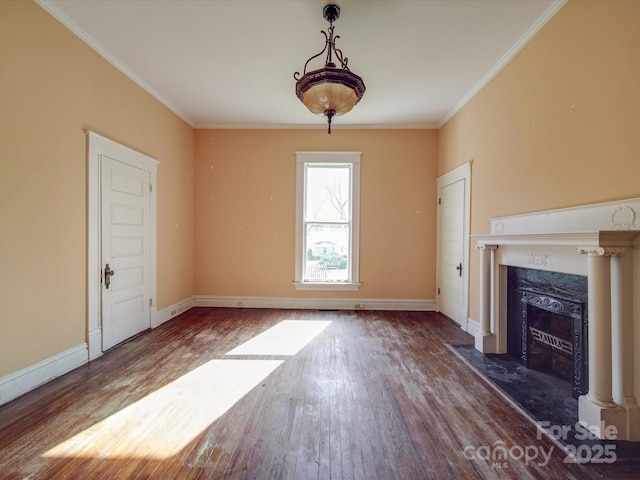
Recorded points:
(330,89)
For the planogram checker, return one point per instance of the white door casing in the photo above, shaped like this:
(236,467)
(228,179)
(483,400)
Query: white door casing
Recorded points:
(103,150)
(452,268)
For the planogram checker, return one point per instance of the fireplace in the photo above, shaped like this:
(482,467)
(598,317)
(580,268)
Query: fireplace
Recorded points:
(547,324)
(590,339)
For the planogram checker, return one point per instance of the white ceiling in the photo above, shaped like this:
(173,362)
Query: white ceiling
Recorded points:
(230,64)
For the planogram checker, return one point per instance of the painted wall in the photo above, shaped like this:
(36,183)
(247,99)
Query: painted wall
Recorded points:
(245,211)
(557,126)
(53,87)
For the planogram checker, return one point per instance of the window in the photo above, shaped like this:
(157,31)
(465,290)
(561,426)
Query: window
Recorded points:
(327,220)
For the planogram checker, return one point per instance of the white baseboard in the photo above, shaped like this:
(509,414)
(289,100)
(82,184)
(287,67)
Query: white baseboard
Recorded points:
(473,327)
(25,380)
(171,311)
(316,303)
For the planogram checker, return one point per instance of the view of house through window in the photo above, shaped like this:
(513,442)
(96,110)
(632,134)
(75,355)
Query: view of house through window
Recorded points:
(327,236)
(327,218)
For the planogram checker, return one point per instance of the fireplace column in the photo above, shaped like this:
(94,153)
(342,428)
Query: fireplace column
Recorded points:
(486,341)
(597,408)
(623,341)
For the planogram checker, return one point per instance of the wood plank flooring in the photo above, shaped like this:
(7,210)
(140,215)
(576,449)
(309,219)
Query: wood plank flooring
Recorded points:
(319,395)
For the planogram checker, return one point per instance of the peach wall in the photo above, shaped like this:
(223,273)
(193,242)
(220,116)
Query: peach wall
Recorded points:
(558,125)
(52,88)
(245,210)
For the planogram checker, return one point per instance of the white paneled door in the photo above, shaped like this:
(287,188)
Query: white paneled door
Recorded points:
(125,217)
(451,231)
(453,244)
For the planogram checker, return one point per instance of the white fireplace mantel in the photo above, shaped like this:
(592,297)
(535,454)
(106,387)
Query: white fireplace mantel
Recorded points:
(598,241)
(599,238)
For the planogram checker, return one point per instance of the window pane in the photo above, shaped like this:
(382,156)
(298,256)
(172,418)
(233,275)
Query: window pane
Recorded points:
(327,252)
(327,193)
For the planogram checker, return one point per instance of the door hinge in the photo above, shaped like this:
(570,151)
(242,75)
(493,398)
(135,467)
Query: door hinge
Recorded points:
(438,290)
(439,201)
(150,302)
(150,188)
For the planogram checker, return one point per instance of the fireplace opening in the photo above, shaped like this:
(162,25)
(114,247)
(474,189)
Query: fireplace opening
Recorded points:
(547,324)
(549,346)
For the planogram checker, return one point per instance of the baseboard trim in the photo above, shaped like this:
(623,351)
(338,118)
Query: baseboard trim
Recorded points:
(473,327)
(167,313)
(18,383)
(427,305)
(27,379)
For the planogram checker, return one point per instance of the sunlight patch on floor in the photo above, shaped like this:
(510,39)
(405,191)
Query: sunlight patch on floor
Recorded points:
(285,338)
(161,424)
(164,422)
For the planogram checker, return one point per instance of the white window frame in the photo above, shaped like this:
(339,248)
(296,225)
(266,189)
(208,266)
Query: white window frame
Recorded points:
(352,158)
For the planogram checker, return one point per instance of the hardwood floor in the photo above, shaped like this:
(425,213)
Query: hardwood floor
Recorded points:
(280,394)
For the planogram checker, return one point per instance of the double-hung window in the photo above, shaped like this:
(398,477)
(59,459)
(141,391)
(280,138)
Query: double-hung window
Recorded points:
(327,220)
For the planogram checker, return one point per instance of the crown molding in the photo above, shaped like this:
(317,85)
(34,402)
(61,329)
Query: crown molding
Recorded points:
(56,13)
(317,126)
(535,28)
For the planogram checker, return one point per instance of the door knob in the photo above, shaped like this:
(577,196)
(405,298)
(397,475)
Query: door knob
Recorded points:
(459,268)
(108,273)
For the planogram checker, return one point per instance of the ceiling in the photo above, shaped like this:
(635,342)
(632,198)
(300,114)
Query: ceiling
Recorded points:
(230,63)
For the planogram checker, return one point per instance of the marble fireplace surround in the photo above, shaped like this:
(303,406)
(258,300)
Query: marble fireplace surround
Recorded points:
(600,241)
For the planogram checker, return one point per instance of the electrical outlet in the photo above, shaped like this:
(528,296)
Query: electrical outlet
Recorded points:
(239,304)
(174,312)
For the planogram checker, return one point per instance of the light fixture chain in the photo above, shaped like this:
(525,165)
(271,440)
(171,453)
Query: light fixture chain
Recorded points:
(332,46)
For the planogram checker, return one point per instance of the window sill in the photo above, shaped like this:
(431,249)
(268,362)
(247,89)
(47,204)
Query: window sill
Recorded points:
(343,286)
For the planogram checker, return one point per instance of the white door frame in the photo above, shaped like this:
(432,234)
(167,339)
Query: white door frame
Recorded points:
(463,172)
(99,146)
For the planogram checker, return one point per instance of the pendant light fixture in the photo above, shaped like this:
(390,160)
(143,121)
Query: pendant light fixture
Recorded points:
(334,89)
